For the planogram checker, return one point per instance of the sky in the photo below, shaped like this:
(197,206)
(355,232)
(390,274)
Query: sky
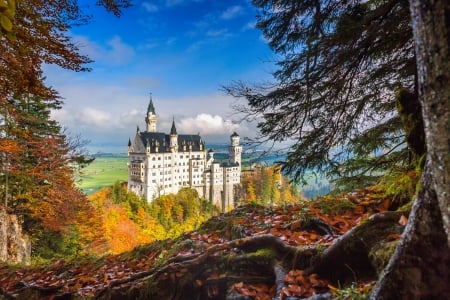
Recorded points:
(181,52)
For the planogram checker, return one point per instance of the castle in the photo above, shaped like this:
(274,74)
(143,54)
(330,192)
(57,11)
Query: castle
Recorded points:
(160,163)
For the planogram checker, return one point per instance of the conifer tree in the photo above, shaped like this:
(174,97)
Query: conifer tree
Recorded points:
(340,66)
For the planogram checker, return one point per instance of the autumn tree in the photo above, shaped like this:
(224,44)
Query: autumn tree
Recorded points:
(37,157)
(342,65)
(267,186)
(37,180)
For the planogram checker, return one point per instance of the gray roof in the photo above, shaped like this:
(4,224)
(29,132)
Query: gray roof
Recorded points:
(229,164)
(173,130)
(151,107)
(161,141)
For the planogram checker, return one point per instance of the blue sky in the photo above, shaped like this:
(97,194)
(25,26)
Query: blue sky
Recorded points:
(181,51)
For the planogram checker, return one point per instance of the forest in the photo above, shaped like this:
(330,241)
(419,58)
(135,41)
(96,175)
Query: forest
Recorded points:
(363,89)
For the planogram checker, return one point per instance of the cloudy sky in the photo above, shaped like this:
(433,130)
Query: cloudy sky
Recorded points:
(181,51)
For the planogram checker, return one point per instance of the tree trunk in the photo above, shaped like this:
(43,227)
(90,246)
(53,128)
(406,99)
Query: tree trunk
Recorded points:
(419,268)
(431,25)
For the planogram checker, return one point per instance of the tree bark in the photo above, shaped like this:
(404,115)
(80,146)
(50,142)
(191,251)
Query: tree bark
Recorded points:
(431,27)
(419,268)
(420,265)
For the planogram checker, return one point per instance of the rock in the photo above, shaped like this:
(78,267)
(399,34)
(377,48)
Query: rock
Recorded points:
(15,246)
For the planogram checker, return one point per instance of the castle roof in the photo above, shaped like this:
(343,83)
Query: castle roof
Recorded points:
(173,130)
(160,142)
(229,164)
(151,107)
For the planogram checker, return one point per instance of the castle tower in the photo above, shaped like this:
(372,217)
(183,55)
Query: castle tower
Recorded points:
(235,150)
(173,137)
(151,118)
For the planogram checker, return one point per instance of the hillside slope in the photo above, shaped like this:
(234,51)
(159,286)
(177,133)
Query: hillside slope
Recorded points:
(252,252)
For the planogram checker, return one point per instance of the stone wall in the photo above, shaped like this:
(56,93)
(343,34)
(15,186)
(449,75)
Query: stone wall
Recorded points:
(15,246)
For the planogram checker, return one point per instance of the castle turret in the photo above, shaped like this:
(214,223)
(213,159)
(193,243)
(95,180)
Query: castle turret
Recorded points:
(173,137)
(151,118)
(235,150)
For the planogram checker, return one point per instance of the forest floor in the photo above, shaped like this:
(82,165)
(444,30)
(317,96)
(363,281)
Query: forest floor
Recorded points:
(329,248)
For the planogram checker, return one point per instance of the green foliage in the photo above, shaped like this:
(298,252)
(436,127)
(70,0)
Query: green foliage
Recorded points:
(401,186)
(351,292)
(181,212)
(48,245)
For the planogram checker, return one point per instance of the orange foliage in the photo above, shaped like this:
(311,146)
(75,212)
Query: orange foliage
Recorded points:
(122,233)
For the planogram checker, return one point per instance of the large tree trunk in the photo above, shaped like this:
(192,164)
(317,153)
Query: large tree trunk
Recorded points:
(419,268)
(431,25)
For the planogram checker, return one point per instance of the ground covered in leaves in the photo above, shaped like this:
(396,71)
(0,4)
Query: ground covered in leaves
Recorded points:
(287,252)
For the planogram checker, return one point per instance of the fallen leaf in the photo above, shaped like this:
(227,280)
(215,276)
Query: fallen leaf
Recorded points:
(403,220)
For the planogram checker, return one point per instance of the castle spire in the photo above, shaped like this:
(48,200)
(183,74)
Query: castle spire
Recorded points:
(151,107)
(151,118)
(173,137)
(173,130)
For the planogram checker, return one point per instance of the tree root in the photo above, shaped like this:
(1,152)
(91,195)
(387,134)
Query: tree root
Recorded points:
(347,259)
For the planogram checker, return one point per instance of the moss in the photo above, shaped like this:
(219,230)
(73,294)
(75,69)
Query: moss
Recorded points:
(267,253)
(381,253)
(334,206)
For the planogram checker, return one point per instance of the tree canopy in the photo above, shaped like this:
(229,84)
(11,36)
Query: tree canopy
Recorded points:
(342,65)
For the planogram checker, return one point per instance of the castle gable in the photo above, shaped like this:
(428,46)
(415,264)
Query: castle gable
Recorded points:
(137,145)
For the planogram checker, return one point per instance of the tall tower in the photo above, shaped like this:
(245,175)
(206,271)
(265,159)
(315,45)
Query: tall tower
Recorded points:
(151,118)
(235,150)
(173,137)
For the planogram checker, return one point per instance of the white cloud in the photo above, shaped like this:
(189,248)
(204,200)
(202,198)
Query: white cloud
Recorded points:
(115,52)
(173,2)
(119,52)
(87,46)
(217,33)
(150,7)
(249,25)
(94,117)
(206,124)
(231,12)
(107,114)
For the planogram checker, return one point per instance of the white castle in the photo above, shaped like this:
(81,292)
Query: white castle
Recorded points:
(160,163)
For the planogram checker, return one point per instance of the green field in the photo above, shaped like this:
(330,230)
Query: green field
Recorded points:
(103,172)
